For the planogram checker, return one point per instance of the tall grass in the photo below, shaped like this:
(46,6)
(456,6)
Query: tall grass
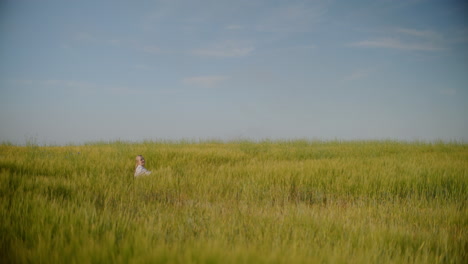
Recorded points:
(255,202)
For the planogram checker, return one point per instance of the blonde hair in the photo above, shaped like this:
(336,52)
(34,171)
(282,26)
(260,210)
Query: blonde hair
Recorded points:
(137,160)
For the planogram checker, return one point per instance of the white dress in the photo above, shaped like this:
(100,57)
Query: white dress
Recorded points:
(140,171)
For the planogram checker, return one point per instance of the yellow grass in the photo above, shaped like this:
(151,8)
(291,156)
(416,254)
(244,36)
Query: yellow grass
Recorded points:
(235,202)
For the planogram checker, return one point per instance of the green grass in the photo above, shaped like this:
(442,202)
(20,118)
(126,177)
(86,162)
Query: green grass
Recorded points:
(235,202)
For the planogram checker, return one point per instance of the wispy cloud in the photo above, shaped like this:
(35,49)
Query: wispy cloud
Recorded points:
(224,52)
(205,81)
(136,45)
(394,43)
(58,83)
(292,17)
(76,86)
(90,39)
(405,39)
(225,49)
(428,34)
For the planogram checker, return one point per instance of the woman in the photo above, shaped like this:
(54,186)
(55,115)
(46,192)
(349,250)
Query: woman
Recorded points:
(140,169)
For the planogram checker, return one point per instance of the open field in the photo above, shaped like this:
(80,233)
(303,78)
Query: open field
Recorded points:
(235,202)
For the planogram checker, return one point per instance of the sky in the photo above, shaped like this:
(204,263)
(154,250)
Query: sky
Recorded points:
(74,72)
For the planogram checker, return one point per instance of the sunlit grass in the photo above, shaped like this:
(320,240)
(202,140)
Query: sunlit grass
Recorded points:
(256,202)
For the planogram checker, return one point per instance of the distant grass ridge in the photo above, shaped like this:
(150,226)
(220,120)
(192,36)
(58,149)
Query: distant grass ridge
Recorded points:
(241,201)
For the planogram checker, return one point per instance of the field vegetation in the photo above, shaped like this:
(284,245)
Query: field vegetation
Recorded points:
(235,202)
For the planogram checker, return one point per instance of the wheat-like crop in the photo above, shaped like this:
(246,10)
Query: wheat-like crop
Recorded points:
(235,202)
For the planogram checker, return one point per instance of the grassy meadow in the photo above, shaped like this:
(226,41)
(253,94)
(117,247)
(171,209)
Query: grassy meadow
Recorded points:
(235,202)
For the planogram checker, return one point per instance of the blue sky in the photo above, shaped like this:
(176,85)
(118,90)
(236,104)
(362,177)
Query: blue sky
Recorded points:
(80,71)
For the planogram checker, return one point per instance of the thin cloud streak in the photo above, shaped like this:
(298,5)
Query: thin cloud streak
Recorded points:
(392,43)
(205,81)
(406,39)
(292,18)
(225,49)
(89,39)
(233,52)
(77,86)
(428,34)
